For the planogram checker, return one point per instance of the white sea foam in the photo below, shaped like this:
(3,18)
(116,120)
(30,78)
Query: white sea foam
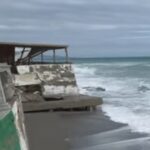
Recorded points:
(126,99)
(137,122)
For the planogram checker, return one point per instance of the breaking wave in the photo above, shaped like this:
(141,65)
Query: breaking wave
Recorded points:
(125,88)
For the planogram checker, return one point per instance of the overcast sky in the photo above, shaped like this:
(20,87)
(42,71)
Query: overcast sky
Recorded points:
(89,27)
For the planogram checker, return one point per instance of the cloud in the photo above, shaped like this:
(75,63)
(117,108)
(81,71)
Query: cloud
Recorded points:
(102,25)
(135,37)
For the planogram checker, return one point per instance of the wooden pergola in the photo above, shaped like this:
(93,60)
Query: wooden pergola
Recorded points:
(8,52)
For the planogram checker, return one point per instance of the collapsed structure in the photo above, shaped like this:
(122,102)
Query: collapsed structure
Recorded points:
(43,77)
(40,82)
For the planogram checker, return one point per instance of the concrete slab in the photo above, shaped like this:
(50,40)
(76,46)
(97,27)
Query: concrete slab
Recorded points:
(69,102)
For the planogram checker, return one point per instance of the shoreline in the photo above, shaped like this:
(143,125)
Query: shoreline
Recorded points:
(80,131)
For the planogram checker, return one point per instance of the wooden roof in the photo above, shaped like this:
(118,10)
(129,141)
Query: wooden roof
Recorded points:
(33,45)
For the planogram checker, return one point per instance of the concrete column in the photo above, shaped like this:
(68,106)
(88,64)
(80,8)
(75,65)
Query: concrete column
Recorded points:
(22,53)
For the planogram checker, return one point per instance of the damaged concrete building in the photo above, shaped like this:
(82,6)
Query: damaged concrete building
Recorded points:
(47,79)
(33,80)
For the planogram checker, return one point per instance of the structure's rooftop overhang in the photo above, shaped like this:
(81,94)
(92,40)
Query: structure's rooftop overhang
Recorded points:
(33,45)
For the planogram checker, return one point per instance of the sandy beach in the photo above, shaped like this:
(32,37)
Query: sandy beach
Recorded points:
(81,131)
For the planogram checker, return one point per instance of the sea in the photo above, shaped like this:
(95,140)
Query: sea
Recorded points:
(124,85)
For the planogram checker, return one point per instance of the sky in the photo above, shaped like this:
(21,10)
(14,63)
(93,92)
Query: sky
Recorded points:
(91,28)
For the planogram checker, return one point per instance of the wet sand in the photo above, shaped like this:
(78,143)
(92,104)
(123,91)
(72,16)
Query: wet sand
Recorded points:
(81,131)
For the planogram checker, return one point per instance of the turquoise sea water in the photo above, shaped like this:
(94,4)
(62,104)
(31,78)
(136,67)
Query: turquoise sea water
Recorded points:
(127,87)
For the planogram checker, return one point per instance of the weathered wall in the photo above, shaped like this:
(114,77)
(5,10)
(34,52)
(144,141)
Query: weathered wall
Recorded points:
(27,79)
(13,137)
(12,133)
(56,79)
(7,84)
(9,139)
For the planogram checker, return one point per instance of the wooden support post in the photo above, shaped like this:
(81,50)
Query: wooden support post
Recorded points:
(54,56)
(42,57)
(21,56)
(29,60)
(22,52)
(66,51)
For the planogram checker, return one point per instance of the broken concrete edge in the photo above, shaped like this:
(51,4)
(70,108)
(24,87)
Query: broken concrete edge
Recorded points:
(20,124)
(70,102)
(13,134)
(11,104)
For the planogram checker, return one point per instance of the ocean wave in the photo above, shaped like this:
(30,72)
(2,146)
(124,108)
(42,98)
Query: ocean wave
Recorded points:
(84,71)
(138,122)
(127,91)
(95,89)
(121,64)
